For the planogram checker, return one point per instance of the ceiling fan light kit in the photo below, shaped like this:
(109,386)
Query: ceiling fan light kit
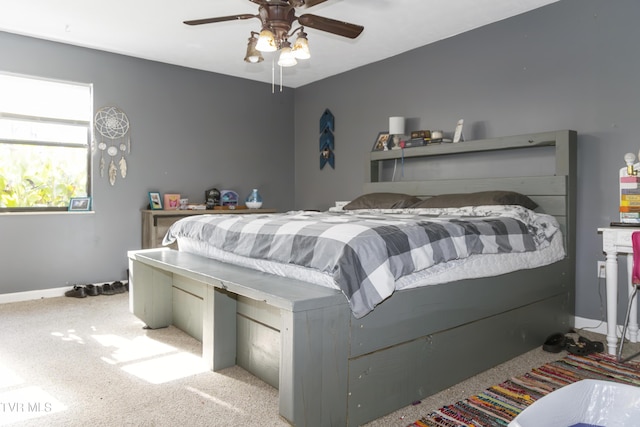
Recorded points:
(253,55)
(277,18)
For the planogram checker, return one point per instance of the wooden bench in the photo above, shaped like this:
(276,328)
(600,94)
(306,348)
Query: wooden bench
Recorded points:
(313,324)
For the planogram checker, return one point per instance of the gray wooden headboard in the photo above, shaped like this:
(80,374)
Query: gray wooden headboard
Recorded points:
(555,194)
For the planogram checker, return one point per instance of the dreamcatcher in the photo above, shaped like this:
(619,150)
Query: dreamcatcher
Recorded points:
(113,125)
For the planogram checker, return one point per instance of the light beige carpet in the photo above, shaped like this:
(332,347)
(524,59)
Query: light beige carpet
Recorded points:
(80,362)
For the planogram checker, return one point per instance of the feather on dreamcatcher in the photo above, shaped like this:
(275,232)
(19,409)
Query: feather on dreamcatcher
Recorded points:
(113,126)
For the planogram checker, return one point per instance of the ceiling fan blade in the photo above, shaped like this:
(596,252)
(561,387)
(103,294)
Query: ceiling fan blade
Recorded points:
(273,2)
(305,3)
(340,28)
(219,19)
(311,3)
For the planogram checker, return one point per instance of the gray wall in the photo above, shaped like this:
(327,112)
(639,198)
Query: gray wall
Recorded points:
(190,130)
(569,65)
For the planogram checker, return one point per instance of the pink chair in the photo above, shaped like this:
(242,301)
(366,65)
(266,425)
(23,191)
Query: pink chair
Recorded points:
(635,281)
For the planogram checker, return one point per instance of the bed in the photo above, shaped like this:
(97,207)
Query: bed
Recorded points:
(342,356)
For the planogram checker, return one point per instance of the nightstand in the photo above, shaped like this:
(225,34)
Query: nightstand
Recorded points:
(155,223)
(617,240)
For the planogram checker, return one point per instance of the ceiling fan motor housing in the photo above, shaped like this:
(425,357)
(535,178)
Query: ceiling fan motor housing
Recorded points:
(278,18)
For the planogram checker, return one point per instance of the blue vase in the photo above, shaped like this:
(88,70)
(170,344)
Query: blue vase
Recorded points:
(254,200)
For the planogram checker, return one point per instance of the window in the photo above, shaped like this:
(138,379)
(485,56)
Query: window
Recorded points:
(45,149)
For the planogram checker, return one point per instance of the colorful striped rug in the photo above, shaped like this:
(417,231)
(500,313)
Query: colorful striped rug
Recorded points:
(499,404)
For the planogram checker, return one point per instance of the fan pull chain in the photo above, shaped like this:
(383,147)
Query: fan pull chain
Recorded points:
(273,76)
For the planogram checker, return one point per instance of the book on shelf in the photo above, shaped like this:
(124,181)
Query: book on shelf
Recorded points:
(628,179)
(629,215)
(630,197)
(628,186)
(630,220)
(629,208)
(630,191)
(629,202)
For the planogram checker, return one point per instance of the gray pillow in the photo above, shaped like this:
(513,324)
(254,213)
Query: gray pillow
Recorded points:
(382,201)
(477,199)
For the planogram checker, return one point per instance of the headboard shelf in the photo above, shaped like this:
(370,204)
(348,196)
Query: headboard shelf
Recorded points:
(559,139)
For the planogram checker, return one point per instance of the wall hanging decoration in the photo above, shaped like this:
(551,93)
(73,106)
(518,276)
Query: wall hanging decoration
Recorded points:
(327,143)
(113,126)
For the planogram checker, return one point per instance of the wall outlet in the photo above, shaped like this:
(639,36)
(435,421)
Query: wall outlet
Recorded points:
(602,270)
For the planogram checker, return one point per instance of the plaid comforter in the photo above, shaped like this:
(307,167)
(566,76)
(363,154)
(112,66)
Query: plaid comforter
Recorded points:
(365,252)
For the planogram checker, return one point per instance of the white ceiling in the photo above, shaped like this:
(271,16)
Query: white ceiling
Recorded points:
(153,29)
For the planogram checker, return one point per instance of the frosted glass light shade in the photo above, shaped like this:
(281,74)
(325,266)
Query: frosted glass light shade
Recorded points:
(266,42)
(396,125)
(286,57)
(301,47)
(253,55)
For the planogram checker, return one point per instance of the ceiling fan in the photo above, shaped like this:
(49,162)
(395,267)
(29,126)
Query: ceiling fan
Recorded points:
(277,18)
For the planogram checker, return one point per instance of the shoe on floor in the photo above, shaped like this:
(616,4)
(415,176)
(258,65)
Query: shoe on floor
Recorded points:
(93,290)
(555,343)
(118,287)
(595,346)
(107,289)
(584,347)
(77,292)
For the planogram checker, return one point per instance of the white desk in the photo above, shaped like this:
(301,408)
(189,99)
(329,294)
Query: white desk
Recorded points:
(617,240)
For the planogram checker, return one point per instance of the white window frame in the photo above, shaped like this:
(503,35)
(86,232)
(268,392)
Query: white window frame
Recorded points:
(82,119)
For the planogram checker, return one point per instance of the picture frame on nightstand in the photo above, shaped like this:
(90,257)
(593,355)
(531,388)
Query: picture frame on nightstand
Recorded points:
(155,201)
(171,202)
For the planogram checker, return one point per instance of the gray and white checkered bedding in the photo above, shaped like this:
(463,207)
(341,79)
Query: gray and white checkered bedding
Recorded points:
(365,252)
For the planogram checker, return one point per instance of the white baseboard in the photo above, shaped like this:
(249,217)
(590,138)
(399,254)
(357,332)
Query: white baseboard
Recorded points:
(31,295)
(597,326)
(39,294)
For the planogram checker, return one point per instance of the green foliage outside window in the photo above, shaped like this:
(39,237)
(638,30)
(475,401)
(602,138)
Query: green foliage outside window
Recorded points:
(41,176)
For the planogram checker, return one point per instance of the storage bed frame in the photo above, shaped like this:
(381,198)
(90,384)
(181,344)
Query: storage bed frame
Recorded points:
(332,369)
